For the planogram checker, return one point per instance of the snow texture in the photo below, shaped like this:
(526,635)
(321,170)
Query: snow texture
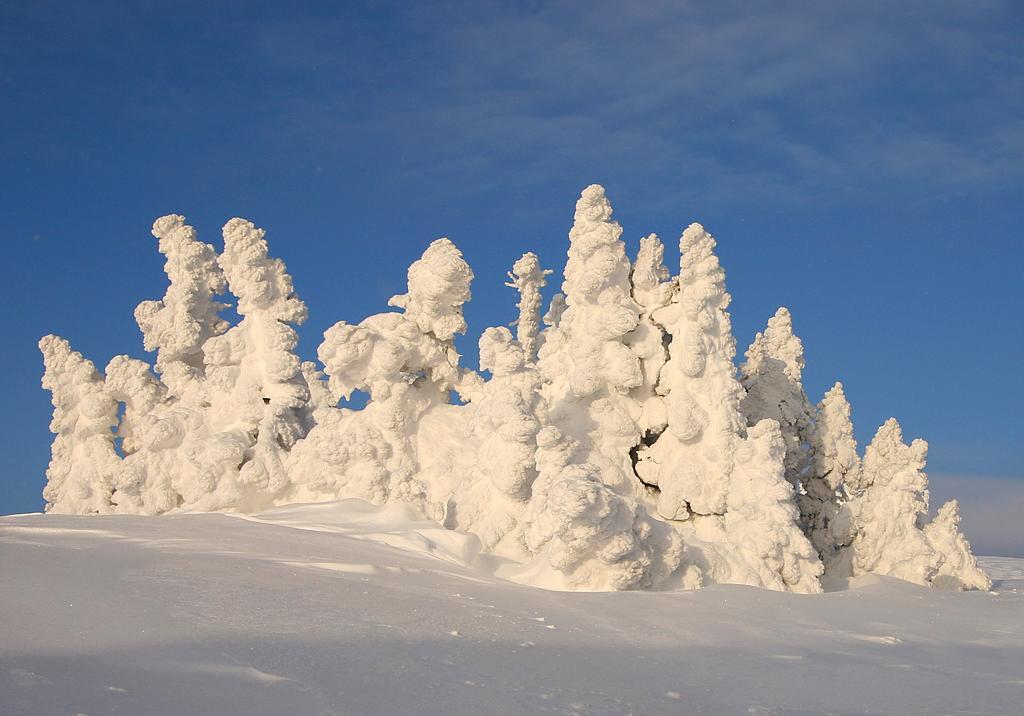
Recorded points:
(346,608)
(616,448)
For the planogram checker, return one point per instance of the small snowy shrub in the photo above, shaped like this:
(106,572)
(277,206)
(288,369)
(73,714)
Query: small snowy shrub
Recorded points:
(617,447)
(887,521)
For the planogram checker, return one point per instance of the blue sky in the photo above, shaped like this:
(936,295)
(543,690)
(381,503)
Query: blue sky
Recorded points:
(860,163)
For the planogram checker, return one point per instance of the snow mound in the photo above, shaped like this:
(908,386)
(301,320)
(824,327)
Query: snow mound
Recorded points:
(353,608)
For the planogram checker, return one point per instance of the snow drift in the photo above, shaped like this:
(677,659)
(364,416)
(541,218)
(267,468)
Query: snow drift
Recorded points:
(617,447)
(344,607)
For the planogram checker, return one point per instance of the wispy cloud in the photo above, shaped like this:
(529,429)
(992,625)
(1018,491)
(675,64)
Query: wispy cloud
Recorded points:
(787,102)
(792,100)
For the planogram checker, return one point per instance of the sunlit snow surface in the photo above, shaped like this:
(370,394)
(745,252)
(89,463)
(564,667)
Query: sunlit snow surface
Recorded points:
(345,608)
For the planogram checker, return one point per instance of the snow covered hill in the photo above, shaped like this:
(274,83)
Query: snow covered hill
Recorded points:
(345,608)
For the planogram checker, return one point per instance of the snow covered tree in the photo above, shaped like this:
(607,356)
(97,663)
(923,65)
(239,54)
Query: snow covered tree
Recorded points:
(959,568)
(130,381)
(588,537)
(369,453)
(650,278)
(652,290)
(836,463)
(438,286)
(766,546)
(888,514)
(172,459)
(705,465)
(83,459)
(555,310)
(256,383)
(771,376)
(692,460)
(178,326)
(533,484)
(557,460)
(408,364)
(528,278)
(889,511)
(503,424)
(589,367)
(506,418)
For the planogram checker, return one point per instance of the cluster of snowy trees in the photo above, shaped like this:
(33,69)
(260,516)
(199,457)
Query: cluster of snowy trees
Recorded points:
(617,447)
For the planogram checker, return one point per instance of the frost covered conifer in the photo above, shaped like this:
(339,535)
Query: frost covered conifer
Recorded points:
(588,537)
(771,376)
(634,379)
(408,364)
(835,465)
(172,455)
(528,278)
(438,287)
(131,382)
(703,462)
(766,545)
(691,461)
(959,568)
(652,290)
(79,479)
(258,392)
(650,278)
(889,512)
(507,417)
(504,421)
(585,535)
(177,326)
(589,367)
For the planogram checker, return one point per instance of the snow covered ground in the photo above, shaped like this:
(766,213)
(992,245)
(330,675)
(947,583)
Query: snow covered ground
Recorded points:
(345,608)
